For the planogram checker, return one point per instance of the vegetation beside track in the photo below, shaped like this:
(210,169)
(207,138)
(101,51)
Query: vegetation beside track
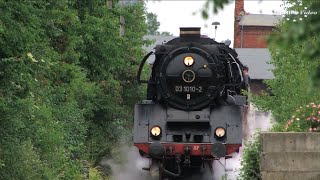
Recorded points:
(67,84)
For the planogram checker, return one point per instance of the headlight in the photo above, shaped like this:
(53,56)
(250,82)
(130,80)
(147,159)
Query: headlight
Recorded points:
(188,61)
(220,132)
(155,131)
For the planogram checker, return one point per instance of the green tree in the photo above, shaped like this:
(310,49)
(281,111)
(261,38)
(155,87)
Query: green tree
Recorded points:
(43,110)
(66,84)
(303,31)
(291,86)
(152,24)
(112,62)
(217,5)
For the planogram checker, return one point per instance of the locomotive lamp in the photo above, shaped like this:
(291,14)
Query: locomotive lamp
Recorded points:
(155,131)
(220,132)
(188,61)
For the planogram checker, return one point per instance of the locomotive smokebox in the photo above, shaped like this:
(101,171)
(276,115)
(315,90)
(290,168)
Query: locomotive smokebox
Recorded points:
(190,32)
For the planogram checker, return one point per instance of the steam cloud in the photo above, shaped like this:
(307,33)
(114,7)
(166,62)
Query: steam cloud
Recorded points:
(131,167)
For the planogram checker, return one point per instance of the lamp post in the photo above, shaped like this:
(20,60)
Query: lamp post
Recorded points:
(216,24)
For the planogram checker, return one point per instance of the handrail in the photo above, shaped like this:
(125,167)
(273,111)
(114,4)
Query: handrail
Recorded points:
(141,67)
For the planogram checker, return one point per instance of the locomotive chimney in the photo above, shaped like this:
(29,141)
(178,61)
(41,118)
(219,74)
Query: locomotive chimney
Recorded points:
(190,32)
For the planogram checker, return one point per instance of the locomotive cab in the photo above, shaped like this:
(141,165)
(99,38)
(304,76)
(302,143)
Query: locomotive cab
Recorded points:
(193,111)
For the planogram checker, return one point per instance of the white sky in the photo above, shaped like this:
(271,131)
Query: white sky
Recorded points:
(179,13)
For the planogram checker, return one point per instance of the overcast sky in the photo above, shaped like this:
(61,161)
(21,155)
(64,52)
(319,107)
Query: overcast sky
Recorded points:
(178,13)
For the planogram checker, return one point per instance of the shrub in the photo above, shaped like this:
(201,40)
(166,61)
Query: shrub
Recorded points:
(250,163)
(305,119)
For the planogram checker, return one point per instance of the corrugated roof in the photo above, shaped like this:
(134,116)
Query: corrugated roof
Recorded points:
(259,20)
(257,60)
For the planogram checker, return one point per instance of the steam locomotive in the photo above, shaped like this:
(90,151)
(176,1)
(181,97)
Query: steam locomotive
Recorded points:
(193,112)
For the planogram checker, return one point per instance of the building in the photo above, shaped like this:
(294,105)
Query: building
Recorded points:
(250,35)
(259,69)
(251,30)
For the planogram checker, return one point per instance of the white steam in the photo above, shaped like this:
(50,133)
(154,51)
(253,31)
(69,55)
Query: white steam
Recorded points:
(130,168)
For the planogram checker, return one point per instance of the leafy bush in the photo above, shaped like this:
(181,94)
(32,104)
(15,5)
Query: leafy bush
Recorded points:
(305,119)
(250,163)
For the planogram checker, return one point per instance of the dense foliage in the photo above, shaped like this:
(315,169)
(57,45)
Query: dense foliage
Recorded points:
(295,54)
(153,23)
(67,84)
(303,28)
(292,85)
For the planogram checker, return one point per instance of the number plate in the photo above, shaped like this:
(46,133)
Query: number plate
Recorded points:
(188,89)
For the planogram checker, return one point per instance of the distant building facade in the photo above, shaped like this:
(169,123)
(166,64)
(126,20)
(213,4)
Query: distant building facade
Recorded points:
(251,30)
(250,35)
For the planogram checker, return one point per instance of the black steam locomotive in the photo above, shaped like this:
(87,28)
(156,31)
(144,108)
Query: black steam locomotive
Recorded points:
(193,112)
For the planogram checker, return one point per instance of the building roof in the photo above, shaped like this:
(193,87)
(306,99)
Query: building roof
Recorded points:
(257,60)
(156,39)
(259,20)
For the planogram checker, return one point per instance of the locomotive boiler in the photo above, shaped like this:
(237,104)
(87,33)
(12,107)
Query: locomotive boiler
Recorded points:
(193,111)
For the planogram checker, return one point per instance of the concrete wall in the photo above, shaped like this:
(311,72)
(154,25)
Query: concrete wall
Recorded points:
(292,156)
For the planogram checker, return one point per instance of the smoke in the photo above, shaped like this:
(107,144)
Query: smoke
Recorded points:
(258,120)
(232,166)
(129,166)
(132,163)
